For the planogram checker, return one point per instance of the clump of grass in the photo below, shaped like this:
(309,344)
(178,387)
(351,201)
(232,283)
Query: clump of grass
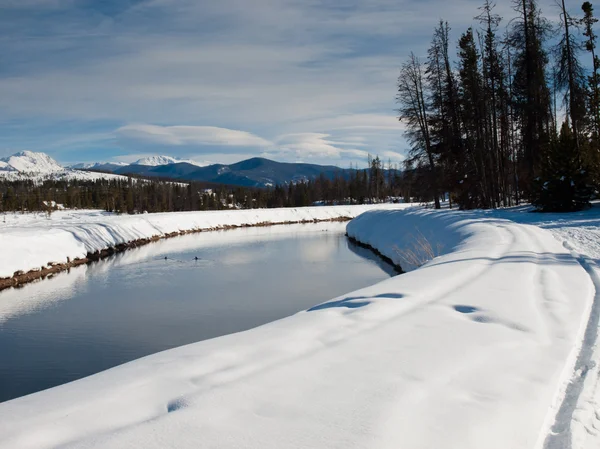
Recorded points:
(419,251)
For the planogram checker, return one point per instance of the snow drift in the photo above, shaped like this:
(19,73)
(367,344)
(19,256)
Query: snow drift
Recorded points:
(472,350)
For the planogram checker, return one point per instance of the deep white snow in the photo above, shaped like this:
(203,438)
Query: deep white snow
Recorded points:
(475,349)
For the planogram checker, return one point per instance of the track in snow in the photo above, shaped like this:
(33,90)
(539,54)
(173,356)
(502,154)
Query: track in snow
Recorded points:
(560,436)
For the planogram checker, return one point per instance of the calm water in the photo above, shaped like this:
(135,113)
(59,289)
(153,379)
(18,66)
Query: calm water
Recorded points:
(139,303)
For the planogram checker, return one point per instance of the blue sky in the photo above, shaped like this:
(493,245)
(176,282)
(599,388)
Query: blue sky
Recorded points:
(212,80)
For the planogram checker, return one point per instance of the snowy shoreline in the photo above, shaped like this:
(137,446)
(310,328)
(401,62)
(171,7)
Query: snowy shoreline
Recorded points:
(70,238)
(474,349)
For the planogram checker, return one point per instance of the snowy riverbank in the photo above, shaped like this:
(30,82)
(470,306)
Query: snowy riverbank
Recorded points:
(473,350)
(31,241)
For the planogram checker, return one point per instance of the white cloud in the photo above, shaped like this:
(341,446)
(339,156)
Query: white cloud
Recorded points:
(199,141)
(307,145)
(311,146)
(357,122)
(190,135)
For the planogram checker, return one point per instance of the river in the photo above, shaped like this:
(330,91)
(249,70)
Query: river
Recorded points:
(171,293)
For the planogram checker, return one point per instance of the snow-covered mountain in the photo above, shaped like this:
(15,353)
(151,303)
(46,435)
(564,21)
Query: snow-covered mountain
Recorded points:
(4,166)
(155,161)
(96,165)
(40,166)
(30,162)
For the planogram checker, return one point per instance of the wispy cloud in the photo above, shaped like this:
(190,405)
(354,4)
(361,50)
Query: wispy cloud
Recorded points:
(190,135)
(183,75)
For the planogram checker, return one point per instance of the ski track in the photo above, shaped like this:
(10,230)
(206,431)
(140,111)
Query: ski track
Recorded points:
(560,436)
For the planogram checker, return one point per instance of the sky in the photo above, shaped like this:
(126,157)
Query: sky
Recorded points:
(213,80)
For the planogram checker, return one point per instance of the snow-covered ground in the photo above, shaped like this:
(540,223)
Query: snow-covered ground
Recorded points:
(475,349)
(575,413)
(30,241)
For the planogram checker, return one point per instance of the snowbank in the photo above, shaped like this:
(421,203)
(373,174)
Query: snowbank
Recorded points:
(31,241)
(472,350)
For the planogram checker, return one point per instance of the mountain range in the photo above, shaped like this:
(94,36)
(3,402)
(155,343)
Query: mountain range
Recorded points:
(254,172)
(155,161)
(39,167)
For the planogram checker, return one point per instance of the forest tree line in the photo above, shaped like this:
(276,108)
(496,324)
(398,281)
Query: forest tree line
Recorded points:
(375,184)
(514,117)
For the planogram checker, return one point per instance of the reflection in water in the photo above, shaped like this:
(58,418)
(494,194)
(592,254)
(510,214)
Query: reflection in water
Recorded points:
(366,253)
(171,293)
(40,294)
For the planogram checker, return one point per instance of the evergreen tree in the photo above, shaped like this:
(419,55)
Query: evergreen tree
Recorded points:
(592,155)
(472,105)
(570,76)
(531,95)
(563,186)
(444,117)
(588,22)
(496,107)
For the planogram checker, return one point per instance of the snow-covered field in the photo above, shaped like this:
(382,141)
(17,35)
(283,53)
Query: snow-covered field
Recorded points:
(475,349)
(30,241)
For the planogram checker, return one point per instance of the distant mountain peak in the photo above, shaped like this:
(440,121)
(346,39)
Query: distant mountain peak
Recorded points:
(30,162)
(155,161)
(96,165)
(38,167)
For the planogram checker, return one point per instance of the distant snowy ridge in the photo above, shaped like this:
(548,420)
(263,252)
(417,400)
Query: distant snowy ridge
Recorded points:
(30,162)
(470,351)
(154,161)
(94,165)
(5,167)
(39,167)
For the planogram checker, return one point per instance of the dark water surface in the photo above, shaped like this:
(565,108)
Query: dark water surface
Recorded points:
(138,303)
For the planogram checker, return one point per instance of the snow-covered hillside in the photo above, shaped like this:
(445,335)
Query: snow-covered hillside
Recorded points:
(5,166)
(34,163)
(40,166)
(475,349)
(155,161)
